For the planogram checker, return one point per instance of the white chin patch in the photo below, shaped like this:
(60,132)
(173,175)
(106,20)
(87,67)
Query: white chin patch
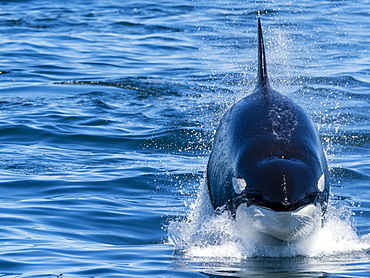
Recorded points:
(276,227)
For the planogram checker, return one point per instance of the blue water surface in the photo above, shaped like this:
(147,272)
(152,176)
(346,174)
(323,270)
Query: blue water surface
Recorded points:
(107,112)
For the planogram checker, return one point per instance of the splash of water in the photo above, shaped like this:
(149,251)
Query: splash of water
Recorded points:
(209,235)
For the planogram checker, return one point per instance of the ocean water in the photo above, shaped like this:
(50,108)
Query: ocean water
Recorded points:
(107,113)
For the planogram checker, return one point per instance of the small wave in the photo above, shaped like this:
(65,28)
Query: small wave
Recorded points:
(204,234)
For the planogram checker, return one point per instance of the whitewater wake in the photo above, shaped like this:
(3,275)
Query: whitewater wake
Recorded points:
(203,233)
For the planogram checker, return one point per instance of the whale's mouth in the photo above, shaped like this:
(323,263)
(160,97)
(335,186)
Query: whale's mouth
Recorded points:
(278,227)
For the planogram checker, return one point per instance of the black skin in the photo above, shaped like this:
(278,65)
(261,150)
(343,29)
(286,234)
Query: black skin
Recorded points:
(270,142)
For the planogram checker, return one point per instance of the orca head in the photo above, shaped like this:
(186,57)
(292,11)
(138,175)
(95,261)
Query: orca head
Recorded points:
(279,200)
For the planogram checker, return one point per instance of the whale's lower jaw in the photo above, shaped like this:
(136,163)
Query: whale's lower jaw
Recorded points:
(278,227)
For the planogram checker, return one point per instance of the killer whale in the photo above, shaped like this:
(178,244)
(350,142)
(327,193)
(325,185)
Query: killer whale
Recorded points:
(267,166)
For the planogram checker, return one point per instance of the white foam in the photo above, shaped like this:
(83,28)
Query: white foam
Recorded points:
(209,235)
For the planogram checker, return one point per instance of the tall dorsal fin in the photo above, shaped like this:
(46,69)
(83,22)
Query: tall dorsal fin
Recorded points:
(262,68)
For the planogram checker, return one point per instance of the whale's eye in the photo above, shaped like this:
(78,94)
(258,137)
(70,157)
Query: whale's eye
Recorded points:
(239,185)
(282,156)
(321,183)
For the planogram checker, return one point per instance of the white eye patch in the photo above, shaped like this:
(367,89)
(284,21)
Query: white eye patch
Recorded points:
(239,185)
(321,183)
